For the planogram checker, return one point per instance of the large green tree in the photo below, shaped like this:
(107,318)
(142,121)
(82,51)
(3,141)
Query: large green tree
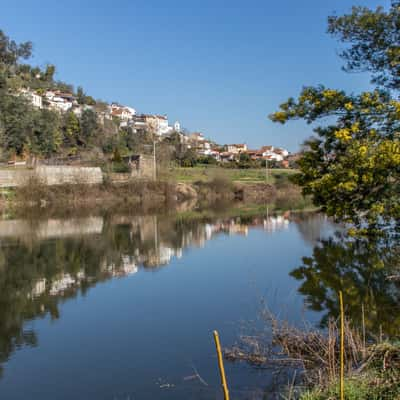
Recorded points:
(11,52)
(46,137)
(351,166)
(16,123)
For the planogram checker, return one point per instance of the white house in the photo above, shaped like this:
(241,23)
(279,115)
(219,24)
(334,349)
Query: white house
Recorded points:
(36,100)
(158,124)
(60,101)
(33,97)
(236,148)
(123,113)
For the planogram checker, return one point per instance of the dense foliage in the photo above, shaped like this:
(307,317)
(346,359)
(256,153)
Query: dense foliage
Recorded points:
(29,131)
(352,166)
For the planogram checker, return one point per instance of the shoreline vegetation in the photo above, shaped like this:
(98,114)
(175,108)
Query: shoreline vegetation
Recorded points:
(311,359)
(205,186)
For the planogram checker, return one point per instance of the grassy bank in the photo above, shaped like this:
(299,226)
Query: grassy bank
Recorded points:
(311,358)
(204,185)
(207,173)
(376,378)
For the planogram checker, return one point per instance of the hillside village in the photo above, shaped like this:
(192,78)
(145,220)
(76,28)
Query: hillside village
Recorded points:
(158,125)
(44,121)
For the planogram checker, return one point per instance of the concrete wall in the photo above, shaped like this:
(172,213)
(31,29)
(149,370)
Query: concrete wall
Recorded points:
(144,168)
(14,177)
(58,175)
(51,175)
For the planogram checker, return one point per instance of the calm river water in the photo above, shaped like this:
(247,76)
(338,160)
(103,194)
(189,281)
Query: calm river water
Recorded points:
(123,307)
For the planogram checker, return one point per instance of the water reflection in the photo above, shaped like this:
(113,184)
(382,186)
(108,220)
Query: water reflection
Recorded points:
(362,268)
(45,262)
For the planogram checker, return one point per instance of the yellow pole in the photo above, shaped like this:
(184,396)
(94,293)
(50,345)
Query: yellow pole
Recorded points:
(221,366)
(341,346)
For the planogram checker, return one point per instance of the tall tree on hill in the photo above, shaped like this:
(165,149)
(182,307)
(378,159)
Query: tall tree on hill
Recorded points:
(352,167)
(46,137)
(71,130)
(89,125)
(11,52)
(16,123)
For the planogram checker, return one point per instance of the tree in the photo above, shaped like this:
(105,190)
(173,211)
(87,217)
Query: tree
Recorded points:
(49,72)
(80,95)
(11,52)
(89,124)
(352,167)
(46,136)
(71,129)
(374,37)
(16,123)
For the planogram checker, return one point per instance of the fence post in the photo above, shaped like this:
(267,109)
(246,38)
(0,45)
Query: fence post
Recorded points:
(341,346)
(221,366)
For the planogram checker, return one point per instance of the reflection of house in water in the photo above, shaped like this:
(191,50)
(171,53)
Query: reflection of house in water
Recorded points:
(272,224)
(238,229)
(126,267)
(64,282)
(148,241)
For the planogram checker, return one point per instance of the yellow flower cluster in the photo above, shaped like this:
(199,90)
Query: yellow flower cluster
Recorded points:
(355,127)
(330,93)
(280,116)
(343,135)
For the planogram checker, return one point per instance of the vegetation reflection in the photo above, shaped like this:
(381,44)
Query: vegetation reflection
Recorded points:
(365,269)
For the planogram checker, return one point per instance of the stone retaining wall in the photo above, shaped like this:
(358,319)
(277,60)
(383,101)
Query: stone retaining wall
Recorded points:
(51,175)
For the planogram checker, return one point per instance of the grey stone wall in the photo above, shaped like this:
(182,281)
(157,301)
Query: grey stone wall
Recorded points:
(58,175)
(14,177)
(51,175)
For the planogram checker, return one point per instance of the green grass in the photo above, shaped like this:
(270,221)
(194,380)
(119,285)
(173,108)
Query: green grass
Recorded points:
(207,173)
(378,380)
(365,387)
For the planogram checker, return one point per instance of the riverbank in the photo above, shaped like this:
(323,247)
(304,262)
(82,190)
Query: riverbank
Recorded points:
(311,359)
(150,194)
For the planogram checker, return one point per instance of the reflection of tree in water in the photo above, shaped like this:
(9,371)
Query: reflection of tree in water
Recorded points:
(44,264)
(360,268)
(311,226)
(38,273)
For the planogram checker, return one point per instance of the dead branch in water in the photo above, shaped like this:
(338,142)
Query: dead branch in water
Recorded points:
(314,352)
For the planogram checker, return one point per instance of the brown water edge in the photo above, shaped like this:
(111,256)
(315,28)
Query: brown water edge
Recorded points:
(144,196)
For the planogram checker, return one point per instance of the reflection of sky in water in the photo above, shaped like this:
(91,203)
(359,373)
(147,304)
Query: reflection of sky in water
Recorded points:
(127,337)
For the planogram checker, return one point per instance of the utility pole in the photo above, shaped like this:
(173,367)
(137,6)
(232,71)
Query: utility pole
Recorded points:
(154,160)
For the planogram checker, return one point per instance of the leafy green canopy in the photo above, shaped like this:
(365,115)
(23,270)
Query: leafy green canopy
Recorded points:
(352,166)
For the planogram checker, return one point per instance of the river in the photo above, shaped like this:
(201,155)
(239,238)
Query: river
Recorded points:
(118,307)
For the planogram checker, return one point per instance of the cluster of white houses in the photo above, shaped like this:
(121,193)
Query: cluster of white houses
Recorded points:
(232,152)
(157,124)
(126,116)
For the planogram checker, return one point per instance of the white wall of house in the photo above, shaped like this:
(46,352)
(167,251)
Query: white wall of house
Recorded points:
(36,100)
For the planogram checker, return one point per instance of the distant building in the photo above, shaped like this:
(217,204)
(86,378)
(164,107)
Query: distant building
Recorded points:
(60,101)
(157,124)
(237,148)
(177,126)
(33,97)
(197,137)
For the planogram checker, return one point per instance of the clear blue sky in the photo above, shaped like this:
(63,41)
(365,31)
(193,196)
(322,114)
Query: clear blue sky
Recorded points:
(218,67)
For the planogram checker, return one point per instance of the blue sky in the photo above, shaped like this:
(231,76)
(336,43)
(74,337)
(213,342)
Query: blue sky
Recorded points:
(219,67)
